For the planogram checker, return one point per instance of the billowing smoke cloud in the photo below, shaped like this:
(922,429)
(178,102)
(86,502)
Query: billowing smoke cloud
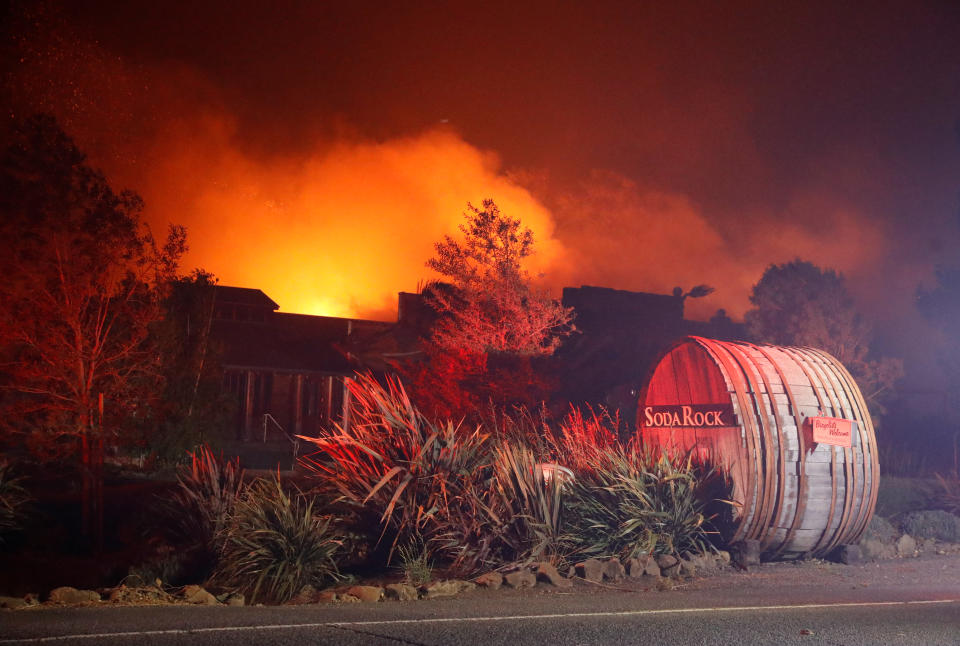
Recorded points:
(339,231)
(624,235)
(344,222)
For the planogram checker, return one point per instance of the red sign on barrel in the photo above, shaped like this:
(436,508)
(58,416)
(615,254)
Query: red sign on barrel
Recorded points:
(832,430)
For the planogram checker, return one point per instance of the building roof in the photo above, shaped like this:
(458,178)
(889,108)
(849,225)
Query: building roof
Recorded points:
(244,296)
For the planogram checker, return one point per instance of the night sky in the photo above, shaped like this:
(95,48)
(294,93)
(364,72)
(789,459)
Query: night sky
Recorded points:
(317,150)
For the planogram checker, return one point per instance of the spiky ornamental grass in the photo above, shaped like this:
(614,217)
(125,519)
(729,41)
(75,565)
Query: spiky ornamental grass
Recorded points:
(628,502)
(198,510)
(404,470)
(274,544)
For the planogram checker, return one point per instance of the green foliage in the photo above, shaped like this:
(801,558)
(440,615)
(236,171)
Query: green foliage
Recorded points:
(632,503)
(274,544)
(936,523)
(398,469)
(200,508)
(415,563)
(13,501)
(478,501)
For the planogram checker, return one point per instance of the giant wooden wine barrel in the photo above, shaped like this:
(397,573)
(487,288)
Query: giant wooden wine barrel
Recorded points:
(788,425)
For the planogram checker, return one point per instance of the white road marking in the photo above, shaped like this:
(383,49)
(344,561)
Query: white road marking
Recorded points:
(449,620)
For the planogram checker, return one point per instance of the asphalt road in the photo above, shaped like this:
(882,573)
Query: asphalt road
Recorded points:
(914,601)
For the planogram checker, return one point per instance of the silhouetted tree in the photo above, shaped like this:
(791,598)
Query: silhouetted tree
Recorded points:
(81,284)
(798,303)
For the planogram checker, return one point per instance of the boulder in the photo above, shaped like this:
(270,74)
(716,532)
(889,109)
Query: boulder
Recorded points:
(613,570)
(723,557)
(906,546)
(651,568)
(146,594)
(669,565)
(365,593)
(745,553)
(236,599)
(327,596)
(635,566)
(590,570)
(492,580)
(848,554)
(688,567)
(446,588)
(12,603)
(872,548)
(400,592)
(306,594)
(548,572)
(521,579)
(71,596)
(199,596)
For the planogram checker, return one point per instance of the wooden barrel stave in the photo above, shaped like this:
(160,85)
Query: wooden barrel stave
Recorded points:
(797,497)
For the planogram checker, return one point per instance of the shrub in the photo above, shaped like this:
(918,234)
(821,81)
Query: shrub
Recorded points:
(274,544)
(511,517)
(13,500)
(936,524)
(627,502)
(415,563)
(198,510)
(398,469)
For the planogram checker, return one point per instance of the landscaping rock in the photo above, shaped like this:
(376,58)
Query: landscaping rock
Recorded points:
(723,557)
(327,596)
(12,603)
(635,566)
(199,596)
(688,567)
(365,593)
(613,570)
(669,565)
(548,572)
(236,599)
(521,579)
(652,568)
(872,548)
(491,580)
(745,553)
(401,592)
(147,594)
(848,554)
(446,588)
(590,570)
(306,594)
(906,546)
(70,596)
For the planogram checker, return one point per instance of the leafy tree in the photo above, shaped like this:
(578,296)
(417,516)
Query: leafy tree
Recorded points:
(82,283)
(493,306)
(798,303)
(493,327)
(193,407)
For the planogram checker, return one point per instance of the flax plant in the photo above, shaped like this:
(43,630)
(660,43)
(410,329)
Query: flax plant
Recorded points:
(410,472)
(275,544)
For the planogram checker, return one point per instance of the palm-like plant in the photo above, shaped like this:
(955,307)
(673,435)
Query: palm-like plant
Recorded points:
(274,544)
